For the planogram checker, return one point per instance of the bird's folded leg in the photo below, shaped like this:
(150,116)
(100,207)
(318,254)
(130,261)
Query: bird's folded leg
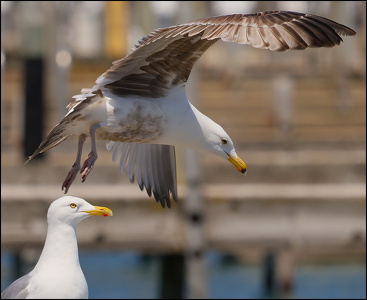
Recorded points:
(76,166)
(92,156)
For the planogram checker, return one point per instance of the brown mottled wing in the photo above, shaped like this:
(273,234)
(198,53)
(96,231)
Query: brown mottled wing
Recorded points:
(152,166)
(166,56)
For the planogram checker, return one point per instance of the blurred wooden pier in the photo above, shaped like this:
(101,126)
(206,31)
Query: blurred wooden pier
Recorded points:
(307,218)
(303,199)
(305,187)
(298,119)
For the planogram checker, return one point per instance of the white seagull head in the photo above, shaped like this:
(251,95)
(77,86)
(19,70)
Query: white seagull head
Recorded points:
(217,141)
(71,210)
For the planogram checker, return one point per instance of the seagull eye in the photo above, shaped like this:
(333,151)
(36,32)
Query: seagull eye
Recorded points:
(224,141)
(72,205)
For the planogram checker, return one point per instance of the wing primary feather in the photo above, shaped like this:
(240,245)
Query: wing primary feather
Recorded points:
(148,164)
(109,145)
(324,33)
(124,154)
(156,189)
(170,169)
(164,188)
(116,150)
(144,168)
(131,162)
(138,167)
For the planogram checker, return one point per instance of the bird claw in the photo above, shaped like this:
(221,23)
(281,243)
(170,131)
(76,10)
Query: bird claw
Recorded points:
(70,178)
(88,165)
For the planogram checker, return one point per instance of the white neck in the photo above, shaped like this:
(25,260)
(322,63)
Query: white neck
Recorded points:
(190,120)
(60,246)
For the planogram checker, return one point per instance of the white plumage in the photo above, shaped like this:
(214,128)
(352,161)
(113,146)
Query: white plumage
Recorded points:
(139,106)
(57,274)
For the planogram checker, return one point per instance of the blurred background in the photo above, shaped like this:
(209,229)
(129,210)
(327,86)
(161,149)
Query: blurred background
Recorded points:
(294,227)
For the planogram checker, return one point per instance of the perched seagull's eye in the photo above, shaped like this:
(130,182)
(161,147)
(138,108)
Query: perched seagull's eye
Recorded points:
(224,141)
(72,205)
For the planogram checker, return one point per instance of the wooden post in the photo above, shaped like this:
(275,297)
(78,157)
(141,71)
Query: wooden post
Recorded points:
(269,274)
(194,268)
(278,272)
(172,276)
(59,58)
(116,23)
(34,108)
(196,243)
(338,68)
(18,265)
(284,272)
(32,45)
(3,61)
(282,91)
(193,204)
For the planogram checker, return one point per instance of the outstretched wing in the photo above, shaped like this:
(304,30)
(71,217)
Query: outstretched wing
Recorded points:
(152,166)
(166,56)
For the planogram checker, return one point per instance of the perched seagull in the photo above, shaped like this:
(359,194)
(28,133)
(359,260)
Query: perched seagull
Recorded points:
(140,108)
(57,273)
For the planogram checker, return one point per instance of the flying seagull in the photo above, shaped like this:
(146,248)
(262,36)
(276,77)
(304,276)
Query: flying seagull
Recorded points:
(57,273)
(139,106)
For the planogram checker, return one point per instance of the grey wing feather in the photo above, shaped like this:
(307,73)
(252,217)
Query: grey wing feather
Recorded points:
(18,289)
(153,166)
(166,56)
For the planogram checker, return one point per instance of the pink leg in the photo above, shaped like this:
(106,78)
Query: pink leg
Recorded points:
(92,156)
(76,166)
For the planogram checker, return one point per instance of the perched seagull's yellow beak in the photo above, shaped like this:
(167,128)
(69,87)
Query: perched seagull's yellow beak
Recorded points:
(238,163)
(100,211)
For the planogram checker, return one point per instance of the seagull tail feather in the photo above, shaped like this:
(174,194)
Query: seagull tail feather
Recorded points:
(54,138)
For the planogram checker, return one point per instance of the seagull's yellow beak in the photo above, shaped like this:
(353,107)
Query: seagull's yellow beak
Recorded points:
(238,163)
(100,211)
